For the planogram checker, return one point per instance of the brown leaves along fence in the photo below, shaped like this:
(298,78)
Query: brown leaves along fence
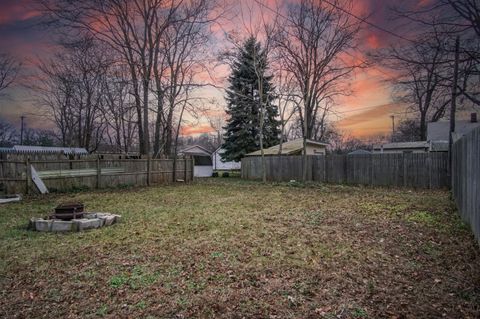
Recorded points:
(422,170)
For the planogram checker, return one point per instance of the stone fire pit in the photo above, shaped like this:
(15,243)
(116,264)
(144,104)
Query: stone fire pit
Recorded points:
(71,217)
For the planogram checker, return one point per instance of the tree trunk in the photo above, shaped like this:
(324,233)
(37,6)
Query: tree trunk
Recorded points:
(176,144)
(264,165)
(423,126)
(305,137)
(146,136)
(158,125)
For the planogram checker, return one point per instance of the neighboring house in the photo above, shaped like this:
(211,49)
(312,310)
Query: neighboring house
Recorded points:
(294,147)
(438,131)
(202,158)
(218,164)
(437,138)
(402,147)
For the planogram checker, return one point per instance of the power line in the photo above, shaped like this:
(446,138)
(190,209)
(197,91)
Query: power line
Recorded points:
(363,20)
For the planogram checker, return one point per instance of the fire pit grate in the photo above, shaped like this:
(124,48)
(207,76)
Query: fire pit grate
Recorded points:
(68,211)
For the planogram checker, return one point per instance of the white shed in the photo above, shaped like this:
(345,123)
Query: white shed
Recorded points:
(203,160)
(218,164)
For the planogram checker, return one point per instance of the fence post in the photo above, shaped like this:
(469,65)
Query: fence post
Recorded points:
(325,167)
(148,170)
(372,167)
(28,175)
(193,167)
(404,170)
(99,172)
(185,168)
(429,167)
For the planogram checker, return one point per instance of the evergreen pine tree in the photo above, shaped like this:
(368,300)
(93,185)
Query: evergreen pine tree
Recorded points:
(243,105)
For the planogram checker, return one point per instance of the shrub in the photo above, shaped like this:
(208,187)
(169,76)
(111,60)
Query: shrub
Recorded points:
(226,174)
(215,174)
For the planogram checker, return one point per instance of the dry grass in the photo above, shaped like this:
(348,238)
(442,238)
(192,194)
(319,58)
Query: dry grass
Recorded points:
(233,249)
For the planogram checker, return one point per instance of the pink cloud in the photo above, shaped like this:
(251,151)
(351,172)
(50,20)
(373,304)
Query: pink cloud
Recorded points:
(11,11)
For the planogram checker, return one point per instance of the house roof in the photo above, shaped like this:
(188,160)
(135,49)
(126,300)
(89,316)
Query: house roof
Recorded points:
(45,149)
(403,145)
(195,150)
(219,150)
(438,131)
(288,148)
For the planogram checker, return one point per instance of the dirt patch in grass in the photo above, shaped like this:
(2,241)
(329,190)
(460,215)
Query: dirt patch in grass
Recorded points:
(234,249)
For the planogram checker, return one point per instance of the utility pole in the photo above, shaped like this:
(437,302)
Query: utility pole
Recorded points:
(22,119)
(453,107)
(393,127)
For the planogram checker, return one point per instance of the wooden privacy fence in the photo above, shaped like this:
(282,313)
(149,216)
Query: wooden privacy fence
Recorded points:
(422,170)
(63,175)
(466,179)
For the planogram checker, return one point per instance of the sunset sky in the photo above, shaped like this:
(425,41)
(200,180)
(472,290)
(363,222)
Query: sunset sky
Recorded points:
(364,113)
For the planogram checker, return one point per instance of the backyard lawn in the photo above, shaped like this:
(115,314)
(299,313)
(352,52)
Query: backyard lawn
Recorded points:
(229,248)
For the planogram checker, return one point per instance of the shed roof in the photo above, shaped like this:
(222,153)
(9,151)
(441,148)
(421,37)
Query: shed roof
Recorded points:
(359,152)
(403,145)
(288,148)
(45,149)
(195,150)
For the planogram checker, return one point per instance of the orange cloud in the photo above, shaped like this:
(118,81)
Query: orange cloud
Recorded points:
(194,130)
(371,122)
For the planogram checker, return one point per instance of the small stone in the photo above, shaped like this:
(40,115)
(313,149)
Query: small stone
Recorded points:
(43,225)
(84,224)
(62,226)
(31,223)
(109,220)
(118,218)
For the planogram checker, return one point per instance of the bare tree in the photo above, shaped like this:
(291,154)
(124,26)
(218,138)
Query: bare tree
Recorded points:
(71,86)
(468,11)
(8,134)
(8,71)
(183,49)
(420,77)
(407,130)
(315,35)
(217,123)
(446,19)
(288,102)
(119,109)
(130,27)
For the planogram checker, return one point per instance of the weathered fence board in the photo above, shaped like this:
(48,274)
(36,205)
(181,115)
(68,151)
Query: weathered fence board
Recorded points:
(63,175)
(466,179)
(424,170)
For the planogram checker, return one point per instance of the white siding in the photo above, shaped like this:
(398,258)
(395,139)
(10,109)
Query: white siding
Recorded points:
(219,165)
(202,171)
